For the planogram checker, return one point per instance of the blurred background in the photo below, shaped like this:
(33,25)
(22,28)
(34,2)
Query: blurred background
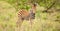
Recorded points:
(47,16)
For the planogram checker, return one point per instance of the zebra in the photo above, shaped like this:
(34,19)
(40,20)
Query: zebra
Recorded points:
(26,15)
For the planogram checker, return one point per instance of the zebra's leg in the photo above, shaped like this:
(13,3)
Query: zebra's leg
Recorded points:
(19,23)
(30,24)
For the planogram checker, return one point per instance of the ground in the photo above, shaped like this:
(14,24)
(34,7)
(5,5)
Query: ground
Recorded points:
(42,22)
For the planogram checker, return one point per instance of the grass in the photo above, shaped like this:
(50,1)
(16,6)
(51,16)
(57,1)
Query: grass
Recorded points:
(8,18)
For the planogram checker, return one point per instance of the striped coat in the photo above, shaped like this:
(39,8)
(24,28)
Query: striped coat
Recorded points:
(26,15)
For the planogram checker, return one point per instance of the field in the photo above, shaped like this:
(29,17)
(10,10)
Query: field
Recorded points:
(42,21)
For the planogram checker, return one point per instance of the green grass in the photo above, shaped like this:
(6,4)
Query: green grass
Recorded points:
(8,18)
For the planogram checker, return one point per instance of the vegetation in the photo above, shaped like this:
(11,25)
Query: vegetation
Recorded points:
(44,21)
